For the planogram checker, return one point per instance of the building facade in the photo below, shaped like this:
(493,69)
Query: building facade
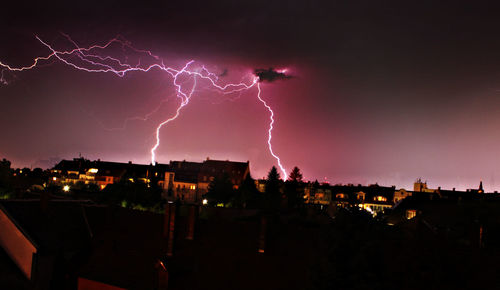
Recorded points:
(180,180)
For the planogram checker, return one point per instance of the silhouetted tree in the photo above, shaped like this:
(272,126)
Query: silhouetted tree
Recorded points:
(295,175)
(5,178)
(294,189)
(247,195)
(131,194)
(220,190)
(273,194)
(5,173)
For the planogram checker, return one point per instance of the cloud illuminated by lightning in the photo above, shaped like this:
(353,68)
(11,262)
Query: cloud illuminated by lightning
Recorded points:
(93,60)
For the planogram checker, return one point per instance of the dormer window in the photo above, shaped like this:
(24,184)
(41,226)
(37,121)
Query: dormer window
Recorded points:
(360,196)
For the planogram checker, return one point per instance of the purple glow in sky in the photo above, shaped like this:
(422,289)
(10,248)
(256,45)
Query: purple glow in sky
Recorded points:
(381,92)
(92,59)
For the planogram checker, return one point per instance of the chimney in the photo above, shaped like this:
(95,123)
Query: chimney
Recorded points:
(169,226)
(480,236)
(262,235)
(44,201)
(166,220)
(162,275)
(193,209)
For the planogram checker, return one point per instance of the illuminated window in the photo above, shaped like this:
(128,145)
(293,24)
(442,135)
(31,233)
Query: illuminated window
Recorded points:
(341,196)
(93,170)
(411,213)
(380,198)
(192,187)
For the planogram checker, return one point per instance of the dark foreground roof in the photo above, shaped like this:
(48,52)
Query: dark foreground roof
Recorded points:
(62,227)
(126,245)
(11,276)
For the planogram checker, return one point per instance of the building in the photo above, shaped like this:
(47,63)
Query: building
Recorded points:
(401,194)
(373,198)
(180,180)
(189,181)
(102,173)
(317,194)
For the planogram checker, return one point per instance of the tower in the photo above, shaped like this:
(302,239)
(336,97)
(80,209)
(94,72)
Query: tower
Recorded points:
(419,185)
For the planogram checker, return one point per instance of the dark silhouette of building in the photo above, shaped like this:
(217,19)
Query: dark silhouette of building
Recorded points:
(180,180)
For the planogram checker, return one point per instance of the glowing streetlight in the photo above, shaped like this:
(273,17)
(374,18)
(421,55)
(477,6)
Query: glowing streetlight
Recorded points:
(66,188)
(205,201)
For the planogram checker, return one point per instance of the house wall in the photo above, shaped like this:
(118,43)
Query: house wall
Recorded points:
(400,195)
(186,191)
(15,243)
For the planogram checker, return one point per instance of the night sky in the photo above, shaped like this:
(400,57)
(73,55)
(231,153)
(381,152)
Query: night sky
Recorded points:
(382,91)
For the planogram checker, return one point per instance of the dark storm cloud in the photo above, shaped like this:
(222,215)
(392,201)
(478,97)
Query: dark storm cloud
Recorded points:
(270,75)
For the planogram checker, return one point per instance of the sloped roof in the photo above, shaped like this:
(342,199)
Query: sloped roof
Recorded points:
(107,168)
(194,172)
(186,171)
(62,227)
(11,277)
(235,170)
(77,164)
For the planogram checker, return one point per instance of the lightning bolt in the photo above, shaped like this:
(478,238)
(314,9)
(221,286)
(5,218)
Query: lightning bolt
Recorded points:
(91,59)
(270,131)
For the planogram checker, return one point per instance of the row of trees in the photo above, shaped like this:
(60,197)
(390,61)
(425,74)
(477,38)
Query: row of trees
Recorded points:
(5,177)
(13,182)
(278,193)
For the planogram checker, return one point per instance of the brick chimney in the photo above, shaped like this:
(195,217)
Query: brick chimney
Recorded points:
(192,215)
(262,235)
(162,275)
(169,226)
(44,201)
